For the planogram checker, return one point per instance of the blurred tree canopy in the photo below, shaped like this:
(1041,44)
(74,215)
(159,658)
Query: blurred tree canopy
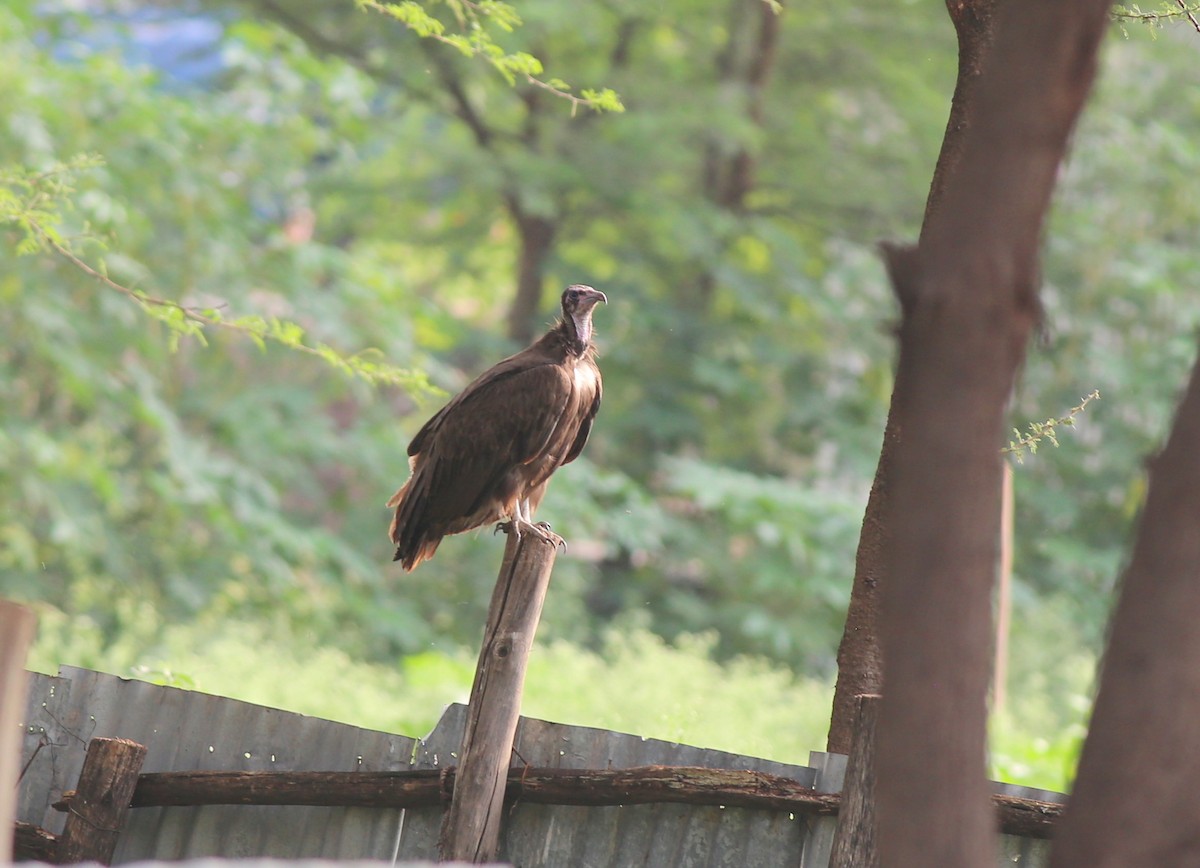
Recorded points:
(323,165)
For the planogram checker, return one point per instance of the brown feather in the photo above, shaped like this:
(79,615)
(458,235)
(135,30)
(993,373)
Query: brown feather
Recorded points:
(497,442)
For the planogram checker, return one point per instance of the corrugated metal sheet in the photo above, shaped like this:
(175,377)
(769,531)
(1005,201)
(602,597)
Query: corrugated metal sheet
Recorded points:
(184,731)
(679,835)
(282,863)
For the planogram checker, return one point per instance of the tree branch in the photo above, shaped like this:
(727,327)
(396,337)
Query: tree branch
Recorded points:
(322,44)
(464,109)
(192,320)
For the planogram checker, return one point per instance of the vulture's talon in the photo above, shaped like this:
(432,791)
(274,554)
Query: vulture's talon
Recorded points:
(541,531)
(551,537)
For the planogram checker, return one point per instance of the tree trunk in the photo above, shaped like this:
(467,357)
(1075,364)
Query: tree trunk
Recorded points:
(860,664)
(968,303)
(745,63)
(972,21)
(1142,747)
(536,239)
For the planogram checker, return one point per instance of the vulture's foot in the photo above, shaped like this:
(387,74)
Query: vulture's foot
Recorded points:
(541,530)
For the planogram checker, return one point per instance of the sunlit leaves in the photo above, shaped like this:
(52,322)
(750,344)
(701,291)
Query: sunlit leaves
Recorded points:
(474,39)
(32,200)
(1160,15)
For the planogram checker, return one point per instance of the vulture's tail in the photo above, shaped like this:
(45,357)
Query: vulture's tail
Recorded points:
(407,531)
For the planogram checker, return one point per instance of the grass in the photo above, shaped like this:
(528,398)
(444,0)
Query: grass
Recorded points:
(636,683)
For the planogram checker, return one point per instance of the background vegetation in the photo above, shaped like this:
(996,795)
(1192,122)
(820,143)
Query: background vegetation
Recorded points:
(212,510)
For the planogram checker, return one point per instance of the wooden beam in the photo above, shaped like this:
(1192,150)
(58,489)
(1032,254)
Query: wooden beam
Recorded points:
(410,789)
(97,808)
(597,787)
(421,788)
(471,831)
(33,844)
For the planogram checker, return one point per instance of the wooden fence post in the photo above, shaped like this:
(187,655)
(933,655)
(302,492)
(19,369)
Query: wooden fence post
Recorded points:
(854,840)
(97,809)
(471,830)
(16,634)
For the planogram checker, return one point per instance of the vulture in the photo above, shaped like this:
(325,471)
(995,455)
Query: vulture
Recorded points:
(488,455)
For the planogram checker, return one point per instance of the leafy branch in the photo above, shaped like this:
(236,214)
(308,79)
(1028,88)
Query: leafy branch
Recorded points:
(474,40)
(1157,17)
(1039,431)
(33,202)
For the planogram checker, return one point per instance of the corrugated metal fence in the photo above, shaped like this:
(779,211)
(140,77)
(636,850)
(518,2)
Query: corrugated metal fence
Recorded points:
(186,731)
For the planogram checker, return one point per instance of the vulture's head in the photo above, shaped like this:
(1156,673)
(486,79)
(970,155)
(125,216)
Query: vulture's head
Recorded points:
(577,304)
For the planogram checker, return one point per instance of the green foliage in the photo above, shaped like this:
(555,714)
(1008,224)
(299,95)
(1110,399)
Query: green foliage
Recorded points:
(135,472)
(32,201)
(344,183)
(674,692)
(1036,739)
(478,42)
(1162,15)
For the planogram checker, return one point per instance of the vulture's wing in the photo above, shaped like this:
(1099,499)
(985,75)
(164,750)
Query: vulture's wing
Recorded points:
(505,418)
(482,385)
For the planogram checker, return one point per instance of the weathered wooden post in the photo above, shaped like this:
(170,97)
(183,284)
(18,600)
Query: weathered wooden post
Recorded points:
(96,810)
(16,634)
(471,830)
(854,841)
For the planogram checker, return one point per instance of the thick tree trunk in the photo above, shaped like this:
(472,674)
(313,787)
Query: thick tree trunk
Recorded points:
(860,664)
(968,301)
(972,21)
(536,236)
(962,350)
(1142,747)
